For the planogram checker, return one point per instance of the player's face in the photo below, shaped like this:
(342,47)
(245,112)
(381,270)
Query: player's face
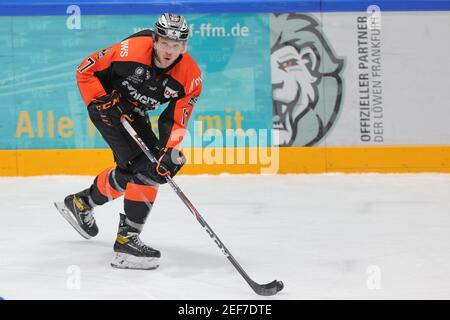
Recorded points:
(167,51)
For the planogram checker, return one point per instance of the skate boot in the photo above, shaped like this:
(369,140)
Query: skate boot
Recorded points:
(77,210)
(130,252)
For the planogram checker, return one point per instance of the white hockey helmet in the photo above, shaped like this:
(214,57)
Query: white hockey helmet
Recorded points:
(172,26)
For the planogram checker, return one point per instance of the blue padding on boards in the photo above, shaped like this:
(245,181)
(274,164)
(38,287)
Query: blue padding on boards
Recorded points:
(142,7)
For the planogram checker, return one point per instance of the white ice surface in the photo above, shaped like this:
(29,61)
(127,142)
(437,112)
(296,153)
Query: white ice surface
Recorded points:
(326,236)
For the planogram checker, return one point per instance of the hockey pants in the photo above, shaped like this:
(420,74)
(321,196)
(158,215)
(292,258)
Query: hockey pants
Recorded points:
(131,177)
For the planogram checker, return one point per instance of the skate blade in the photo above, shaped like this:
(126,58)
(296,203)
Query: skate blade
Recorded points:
(127,261)
(65,212)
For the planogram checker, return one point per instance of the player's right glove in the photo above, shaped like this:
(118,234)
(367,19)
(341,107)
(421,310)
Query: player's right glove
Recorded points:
(111,109)
(169,163)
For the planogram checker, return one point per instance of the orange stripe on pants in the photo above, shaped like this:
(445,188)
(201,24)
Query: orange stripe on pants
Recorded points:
(141,193)
(105,187)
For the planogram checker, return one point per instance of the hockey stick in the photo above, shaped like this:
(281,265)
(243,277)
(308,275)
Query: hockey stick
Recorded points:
(268,289)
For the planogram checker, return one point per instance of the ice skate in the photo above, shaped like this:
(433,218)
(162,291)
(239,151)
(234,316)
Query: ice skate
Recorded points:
(78,212)
(130,252)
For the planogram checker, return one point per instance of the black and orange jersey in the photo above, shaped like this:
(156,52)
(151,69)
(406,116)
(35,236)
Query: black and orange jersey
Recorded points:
(128,67)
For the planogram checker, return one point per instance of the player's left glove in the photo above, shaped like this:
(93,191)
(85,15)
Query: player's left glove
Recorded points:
(111,109)
(169,163)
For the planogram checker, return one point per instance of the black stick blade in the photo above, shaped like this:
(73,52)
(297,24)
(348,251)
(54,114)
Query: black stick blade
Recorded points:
(268,289)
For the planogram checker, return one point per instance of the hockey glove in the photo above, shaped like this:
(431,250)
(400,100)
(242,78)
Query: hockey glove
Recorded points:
(111,109)
(169,163)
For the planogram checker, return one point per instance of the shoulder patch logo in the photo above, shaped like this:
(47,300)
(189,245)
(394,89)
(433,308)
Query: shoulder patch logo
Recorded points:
(103,52)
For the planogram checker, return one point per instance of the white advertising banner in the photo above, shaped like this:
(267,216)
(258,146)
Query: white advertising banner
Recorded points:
(362,79)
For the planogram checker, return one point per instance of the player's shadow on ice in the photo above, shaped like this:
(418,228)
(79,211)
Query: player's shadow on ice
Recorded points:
(181,261)
(176,261)
(85,248)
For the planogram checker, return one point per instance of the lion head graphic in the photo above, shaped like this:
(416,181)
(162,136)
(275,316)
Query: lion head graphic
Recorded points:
(306,82)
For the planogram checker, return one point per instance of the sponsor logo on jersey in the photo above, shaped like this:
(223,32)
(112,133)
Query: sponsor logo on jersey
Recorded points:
(192,101)
(139,71)
(194,83)
(138,96)
(103,52)
(124,48)
(148,74)
(138,76)
(135,79)
(170,93)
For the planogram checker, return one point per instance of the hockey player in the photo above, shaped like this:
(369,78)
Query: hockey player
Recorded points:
(126,80)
